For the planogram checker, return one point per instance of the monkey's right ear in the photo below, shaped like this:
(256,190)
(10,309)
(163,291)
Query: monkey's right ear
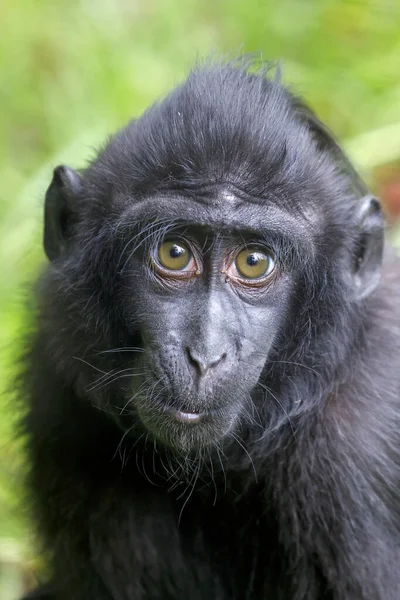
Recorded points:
(60,210)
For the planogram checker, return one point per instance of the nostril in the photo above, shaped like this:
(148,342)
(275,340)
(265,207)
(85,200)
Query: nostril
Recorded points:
(219,360)
(194,361)
(203,364)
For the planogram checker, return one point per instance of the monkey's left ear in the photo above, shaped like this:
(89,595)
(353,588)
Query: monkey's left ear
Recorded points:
(60,210)
(369,246)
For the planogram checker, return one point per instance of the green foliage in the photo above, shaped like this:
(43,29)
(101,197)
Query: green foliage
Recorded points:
(73,71)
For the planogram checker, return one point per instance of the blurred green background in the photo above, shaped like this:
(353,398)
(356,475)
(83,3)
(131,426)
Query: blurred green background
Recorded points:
(73,71)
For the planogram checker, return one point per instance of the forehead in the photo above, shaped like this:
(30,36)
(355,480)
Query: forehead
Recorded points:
(224,209)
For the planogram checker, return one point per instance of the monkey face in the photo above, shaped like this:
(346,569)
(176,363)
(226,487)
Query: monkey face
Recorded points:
(208,302)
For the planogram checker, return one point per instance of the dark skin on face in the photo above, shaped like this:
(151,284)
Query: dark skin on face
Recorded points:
(213,292)
(213,385)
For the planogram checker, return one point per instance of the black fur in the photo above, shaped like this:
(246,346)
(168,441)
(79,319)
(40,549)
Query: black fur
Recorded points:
(291,490)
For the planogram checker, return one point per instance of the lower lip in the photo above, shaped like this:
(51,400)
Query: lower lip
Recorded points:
(187,417)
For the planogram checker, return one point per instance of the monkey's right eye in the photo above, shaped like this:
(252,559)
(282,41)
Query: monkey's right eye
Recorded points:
(175,255)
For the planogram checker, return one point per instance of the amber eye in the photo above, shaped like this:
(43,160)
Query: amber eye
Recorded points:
(254,264)
(174,255)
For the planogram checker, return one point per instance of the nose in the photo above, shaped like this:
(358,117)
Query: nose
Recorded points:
(202,364)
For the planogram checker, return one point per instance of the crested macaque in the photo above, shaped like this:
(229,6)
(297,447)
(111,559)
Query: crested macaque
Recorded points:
(212,390)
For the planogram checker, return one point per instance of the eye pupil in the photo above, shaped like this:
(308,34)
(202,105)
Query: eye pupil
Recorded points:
(176,251)
(252,260)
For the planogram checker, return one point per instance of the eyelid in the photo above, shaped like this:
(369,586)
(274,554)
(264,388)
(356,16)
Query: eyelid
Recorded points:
(171,274)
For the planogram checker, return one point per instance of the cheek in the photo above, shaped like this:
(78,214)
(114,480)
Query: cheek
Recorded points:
(159,319)
(253,358)
(261,331)
(258,342)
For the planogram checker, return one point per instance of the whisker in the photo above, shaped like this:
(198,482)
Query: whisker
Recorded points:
(123,349)
(219,452)
(121,442)
(292,427)
(192,484)
(237,439)
(111,377)
(89,364)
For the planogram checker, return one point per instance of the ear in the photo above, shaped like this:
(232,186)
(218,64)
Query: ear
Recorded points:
(369,246)
(60,210)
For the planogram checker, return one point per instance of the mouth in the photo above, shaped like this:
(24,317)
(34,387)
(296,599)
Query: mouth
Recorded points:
(185,430)
(186,417)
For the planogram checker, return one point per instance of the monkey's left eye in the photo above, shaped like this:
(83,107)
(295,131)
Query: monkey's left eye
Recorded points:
(175,256)
(252,263)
